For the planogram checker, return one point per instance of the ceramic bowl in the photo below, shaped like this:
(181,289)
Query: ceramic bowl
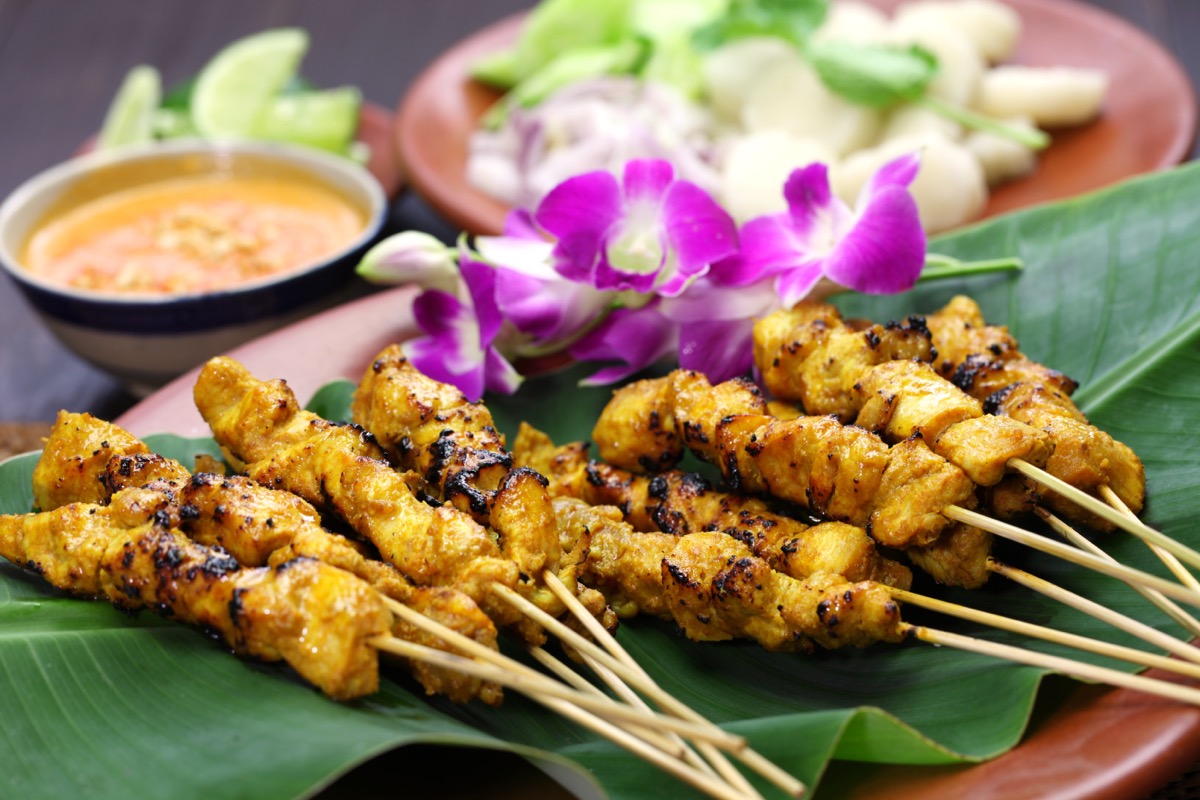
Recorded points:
(146,340)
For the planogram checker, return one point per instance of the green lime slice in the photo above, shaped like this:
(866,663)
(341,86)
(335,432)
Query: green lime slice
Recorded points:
(326,119)
(130,117)
(241,81)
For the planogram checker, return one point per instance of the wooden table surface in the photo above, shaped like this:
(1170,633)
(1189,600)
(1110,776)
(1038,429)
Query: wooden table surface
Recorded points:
(61,60)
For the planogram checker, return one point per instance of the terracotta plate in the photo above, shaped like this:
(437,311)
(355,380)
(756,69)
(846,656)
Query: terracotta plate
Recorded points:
(375,130)
(1093,742)
(1149,119)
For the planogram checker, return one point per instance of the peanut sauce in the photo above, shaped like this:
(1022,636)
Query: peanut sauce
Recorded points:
(193,234)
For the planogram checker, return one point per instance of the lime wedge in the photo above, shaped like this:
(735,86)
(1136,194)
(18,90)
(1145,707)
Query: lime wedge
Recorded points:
(130,117)
(241,81)
(326,119)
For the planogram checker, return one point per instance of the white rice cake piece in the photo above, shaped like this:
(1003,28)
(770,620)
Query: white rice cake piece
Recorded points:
(732,69)
(1052,97)
(790,96)
(991,26)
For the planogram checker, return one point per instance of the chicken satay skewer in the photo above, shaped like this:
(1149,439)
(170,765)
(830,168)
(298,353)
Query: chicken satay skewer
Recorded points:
(809,354)
(1019,655)
(563,463)
(986,361)
(431,427)
(824,336)
(257,525)
(149,565)
(223,392)
(257,522)
(707,429)
(314,617)
(1164,604)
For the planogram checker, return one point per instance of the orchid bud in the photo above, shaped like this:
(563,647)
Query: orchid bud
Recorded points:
(412,257)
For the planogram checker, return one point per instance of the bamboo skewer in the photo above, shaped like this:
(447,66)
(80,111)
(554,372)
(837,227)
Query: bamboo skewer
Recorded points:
(667,742)
(1104,614)
(563,700)
(634,677)
(1128,523)
(1172,562)
(1168,607)
(670,743)
(1097,646)
(523,677)
(1065,666)
(601,635)
(1074,555)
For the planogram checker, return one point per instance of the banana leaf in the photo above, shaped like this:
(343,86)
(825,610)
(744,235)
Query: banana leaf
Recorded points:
(98,702)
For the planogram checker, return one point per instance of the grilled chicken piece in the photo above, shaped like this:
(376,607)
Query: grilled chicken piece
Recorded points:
(986,363)
(432,546)
(889,388)
(820,369)
(75,457)
(1084,456)
(837,471)
(718,590)
(680,503)
(903,399)
(715,589)
(431,428)
(644,440)
(258,525)
(317,618)
(989,352)
(956,558)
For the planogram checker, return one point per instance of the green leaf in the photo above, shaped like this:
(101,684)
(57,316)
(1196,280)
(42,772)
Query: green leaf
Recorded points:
(791,20)
(332,401)
(552,29)
(1109,294)
(873,75)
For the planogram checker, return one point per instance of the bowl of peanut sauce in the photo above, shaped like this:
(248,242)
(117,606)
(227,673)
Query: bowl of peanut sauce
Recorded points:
(148,260)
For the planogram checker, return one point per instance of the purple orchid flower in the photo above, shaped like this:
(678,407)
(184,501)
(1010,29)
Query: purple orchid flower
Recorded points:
(716,320)
(877,249)
(460,332)
(648,233)
(634,338)
(530,293)
(634,270)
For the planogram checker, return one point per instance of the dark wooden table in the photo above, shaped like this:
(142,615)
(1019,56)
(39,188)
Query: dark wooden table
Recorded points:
(61,60)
